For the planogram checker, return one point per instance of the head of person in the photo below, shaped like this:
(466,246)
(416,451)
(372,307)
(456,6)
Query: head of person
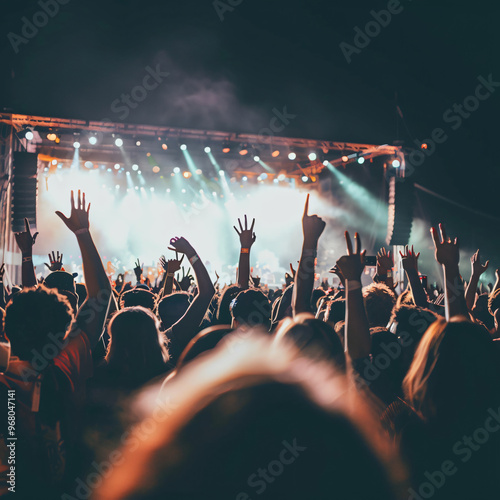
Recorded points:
(379,300)
(171,308)
(313,337)
(251,308)
(454,373)
(408,324)
(35,321)
(137,348)
(224,307)
(138,297)
(336,311)
(480,311)
(65,284)
(282,307)
(317,294)
(264,422)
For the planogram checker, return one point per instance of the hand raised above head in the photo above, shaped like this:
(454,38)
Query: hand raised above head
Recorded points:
(181,245)
(409,259)
(247,236)
(477,267)
(385,260)
(79,217)
(447,251)
(24,239)
(55,262)
(312,225)
(351,265)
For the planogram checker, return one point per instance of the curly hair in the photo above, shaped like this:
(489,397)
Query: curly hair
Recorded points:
(379,300)
(31,316)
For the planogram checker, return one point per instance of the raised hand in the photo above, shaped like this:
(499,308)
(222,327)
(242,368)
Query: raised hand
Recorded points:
(79,217)
(25,240)
(293,271)
(409,259)
(477,267)
(181,245)
(186,280)
(255,281)
(312,226)
(447,251)
(335,270)
(385,260)
(172,265)
(352,264)
(138,270)
(247,236)
(55,262)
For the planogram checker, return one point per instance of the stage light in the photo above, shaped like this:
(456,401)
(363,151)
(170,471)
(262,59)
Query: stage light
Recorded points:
(76,145)
(183,191)
(93,140)
(148,154)
(168,190)
(109,170)
(244,178)
(186,174)
(221,173)
(292,156)
(313,179)
(325,162)
(345,159)
(51,136)
(207,149)
(361,160)
(312,156)
(117,166)
(136,188)
(199,172)
(256,158)
(139,172)
(183,147)
(46,169)
(135,167)
(117,186)
(396,163)
(243,150)
(137,143)
(54,162)
(164,146)
(214,193)
(275,181)
(424,145)
(262,177)
(127,172)
(177,170)
(281,177)
(226,147)
(156,169)
(118,142)
(305,178)
(152,189)
(275,153)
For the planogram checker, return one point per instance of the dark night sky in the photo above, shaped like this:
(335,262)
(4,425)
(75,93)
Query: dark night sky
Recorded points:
(230,74)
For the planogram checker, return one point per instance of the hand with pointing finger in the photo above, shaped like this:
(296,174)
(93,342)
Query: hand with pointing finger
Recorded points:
(312,227)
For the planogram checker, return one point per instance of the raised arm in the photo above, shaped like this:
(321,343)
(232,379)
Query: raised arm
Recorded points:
(25,242)
(55,262)
(477,270)
(138,271)
(185,329)
(92,314)
(448,255)
(247,239)
(357,330)
(312,227)
(385,265)
(170,267)
(410,264)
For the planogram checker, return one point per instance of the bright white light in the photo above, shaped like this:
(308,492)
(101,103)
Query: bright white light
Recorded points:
(244,178)
(168,190)
(29,135)
(109,170)
(117,186)
(93,140)
(117,166)
(118,142)
(263,176)
(152,189)
(135,167)
(183,147)
(137,143)
(312,156)
(256,158)
(127,172)
(199,172)
(325,162)
(139,172)
(183,191)
(76,145)
(207,149)
(54,162)
(137,188)
(275,181)
(214,193)
(396,163)
(305,178)
(177,170)
(221,173)
(88,164)
(292,156)
(361,160)
(281,177)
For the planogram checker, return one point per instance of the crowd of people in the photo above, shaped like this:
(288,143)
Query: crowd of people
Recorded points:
(187,389)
